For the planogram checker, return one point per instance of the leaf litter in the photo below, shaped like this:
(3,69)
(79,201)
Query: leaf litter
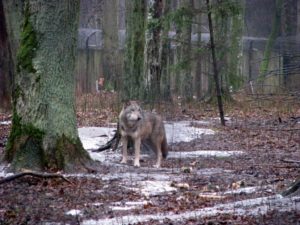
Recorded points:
(191,187)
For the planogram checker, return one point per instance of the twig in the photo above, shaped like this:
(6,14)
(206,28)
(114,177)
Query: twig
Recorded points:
(290,161)
(287,167)
(34,174)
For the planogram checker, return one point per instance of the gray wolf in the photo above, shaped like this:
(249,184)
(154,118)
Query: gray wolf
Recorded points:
(140,126)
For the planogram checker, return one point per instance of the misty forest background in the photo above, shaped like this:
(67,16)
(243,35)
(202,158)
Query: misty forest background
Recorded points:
(160,50)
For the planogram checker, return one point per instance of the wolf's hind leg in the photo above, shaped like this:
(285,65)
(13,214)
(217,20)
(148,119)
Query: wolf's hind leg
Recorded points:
(124,149)
(137,149)
(158,156)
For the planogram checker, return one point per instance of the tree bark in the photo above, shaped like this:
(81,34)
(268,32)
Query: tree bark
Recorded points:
(44,135)
(271,40)
(186,31)
(133,81)
(6,67)
(153,49)
(198,75)
(110,38)
(215,67)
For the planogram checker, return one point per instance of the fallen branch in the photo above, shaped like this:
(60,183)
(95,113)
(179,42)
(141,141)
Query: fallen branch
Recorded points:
(113,143)
(292,189)
(33,174)
(290,161)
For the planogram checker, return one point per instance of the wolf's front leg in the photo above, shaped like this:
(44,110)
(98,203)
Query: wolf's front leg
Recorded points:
(137,149)
(124,148)
(158,155)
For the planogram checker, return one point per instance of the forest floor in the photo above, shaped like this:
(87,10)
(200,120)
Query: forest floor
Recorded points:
(197,184)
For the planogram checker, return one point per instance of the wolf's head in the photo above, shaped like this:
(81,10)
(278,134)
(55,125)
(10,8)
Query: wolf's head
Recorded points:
(132,113)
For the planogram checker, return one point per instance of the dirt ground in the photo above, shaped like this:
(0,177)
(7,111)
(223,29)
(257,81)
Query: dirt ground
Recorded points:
(269,163)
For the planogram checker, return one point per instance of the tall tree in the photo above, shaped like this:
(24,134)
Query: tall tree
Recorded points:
(215,66)
(44,133)
(133,82)
(110,41)
(186,31)
(198,73)
(6,67)
(228,27)
(153,51)
(264,66)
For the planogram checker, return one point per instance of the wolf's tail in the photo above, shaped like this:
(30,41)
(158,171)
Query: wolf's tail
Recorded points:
(164,148)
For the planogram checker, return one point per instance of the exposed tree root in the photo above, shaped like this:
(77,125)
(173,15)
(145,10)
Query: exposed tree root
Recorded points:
(113,143)
(34,174)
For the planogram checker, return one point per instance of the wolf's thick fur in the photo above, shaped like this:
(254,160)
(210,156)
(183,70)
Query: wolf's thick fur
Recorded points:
(142,126)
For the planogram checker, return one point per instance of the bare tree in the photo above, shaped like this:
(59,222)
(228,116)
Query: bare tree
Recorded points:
(215,67)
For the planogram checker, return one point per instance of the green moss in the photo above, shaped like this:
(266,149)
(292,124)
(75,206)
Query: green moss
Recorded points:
(69,154)
(18,132)
(30,154)
(271,40)
(28,44)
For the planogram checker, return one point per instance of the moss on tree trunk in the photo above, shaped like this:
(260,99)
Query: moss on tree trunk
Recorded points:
(44,135)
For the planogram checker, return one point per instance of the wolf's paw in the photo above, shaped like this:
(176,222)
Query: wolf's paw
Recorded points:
(137,163)
(156,165)
(124,161)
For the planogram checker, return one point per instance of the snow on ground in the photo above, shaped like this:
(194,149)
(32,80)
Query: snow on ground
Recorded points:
(5,122)
(203,153)
(183,131)
(259,206)
(93,137)
(74,212)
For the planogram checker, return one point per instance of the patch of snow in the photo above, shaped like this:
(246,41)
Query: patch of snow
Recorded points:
(93,137)
(98,204)
(5,122)
(74,212)
(52,223)
(212,171)
(122,208)
(128,206)
(183,131)
(204,153)
(254,207)
(96,131)
(248,190)
(3,172)
(138,176)
(154,187)
(137,203)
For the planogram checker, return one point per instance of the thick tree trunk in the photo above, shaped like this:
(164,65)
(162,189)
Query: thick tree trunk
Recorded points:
(44,133)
